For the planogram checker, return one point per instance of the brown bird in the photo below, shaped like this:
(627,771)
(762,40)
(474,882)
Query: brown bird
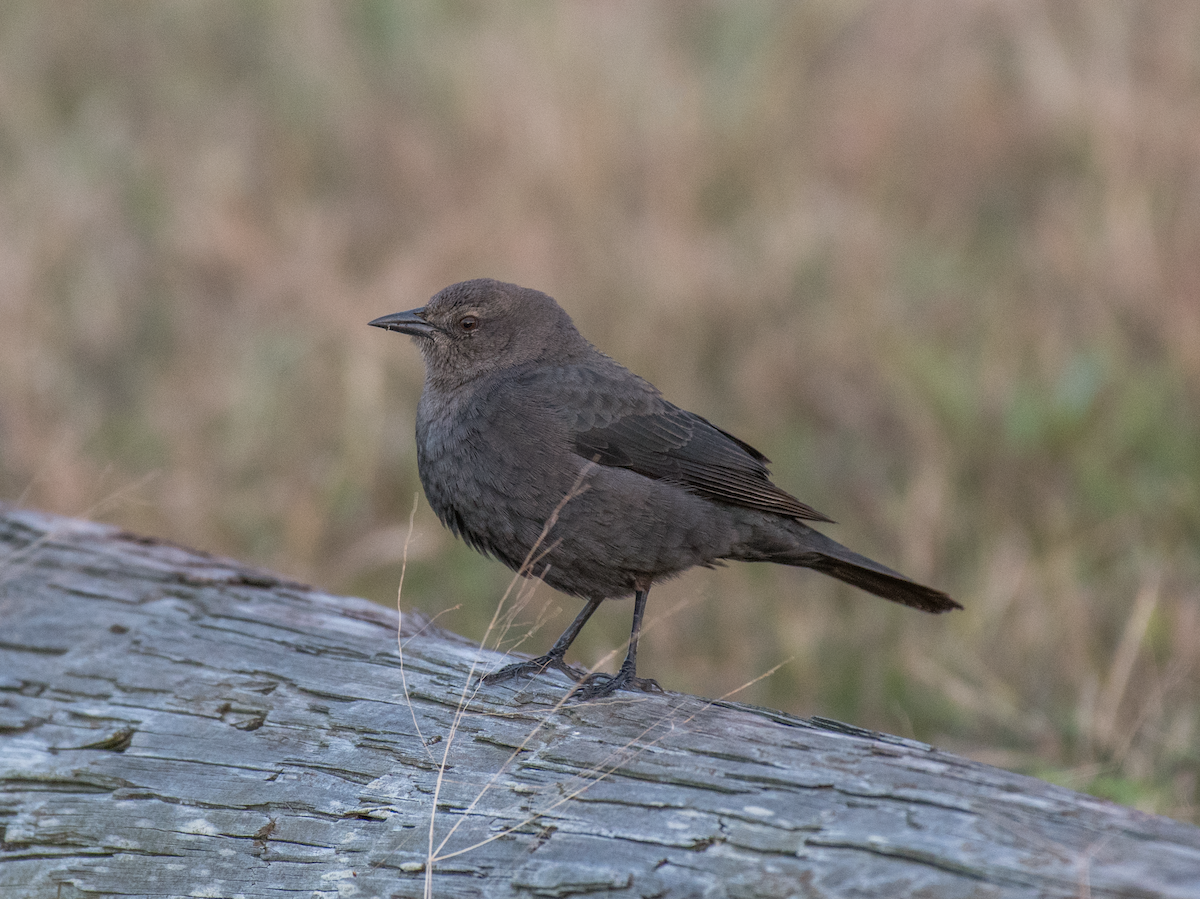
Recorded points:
(538,449)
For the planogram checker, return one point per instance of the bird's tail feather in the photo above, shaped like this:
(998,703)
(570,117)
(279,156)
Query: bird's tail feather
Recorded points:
(814,550)
(889,585)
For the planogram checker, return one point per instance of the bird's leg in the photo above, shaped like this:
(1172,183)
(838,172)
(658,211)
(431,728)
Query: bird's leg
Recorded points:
(599,684)
(552,659)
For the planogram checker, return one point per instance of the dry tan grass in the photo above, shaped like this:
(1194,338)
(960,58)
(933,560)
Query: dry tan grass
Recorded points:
(939,261)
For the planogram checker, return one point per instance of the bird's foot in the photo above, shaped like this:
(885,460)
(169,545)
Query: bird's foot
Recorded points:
(532,667)
(599,685)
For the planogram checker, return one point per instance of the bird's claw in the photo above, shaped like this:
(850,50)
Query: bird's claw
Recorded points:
(532,667)
(590,686)
(599,685)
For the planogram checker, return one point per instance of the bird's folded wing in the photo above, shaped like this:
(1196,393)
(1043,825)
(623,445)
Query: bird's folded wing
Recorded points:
(674,445)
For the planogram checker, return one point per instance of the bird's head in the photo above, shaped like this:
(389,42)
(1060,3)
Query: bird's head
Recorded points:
(474,328)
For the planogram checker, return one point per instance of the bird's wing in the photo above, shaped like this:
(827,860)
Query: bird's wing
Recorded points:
(671,444)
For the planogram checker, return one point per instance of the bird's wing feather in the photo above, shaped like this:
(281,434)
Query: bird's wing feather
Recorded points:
(616,419)
(671,444)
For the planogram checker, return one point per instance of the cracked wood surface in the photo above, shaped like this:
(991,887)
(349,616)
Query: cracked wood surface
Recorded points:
(173,724)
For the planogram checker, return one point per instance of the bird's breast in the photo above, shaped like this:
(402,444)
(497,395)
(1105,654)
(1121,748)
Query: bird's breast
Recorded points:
(493,469)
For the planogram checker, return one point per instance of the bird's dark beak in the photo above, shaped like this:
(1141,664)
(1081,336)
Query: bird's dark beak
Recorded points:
(410,322)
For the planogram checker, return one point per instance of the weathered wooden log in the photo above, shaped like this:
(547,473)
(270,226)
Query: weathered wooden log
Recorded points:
(173,724)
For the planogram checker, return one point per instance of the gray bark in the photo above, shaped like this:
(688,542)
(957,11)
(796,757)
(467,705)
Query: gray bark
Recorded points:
(172,724)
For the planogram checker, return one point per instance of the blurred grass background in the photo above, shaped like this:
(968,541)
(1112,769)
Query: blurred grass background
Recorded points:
(940,261)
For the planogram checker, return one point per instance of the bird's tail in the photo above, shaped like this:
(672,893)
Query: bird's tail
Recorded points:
(808,548)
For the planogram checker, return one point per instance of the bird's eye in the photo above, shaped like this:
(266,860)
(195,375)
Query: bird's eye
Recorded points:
(468,323)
